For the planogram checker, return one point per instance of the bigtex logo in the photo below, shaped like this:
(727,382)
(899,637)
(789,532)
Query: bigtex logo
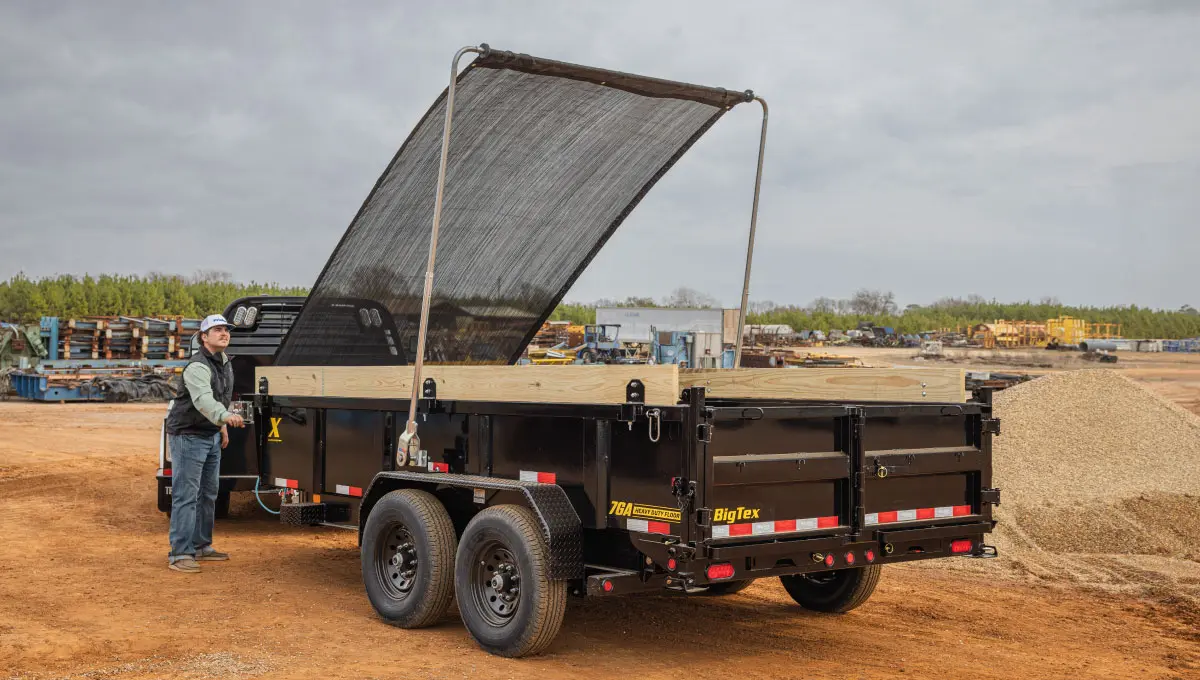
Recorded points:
(731,515)
(273,433)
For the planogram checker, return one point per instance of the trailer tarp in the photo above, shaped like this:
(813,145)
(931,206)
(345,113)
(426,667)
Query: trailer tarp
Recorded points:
(546,160)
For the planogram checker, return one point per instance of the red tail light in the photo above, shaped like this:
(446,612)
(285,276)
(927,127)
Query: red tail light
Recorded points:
(870,555)
(718,572)
(829,560)
(608,586)
(849,558)
(960,546)
(671,564)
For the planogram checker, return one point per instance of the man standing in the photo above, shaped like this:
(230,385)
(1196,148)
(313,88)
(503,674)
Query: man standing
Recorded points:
(197,427)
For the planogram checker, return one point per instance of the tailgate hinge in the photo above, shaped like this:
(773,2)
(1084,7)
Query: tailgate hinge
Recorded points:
(990,496)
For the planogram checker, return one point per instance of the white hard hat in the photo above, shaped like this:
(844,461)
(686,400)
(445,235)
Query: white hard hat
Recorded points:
(213,320)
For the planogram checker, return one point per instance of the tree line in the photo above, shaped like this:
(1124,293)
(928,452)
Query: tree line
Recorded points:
(208,292)
(880,308)
(24,300)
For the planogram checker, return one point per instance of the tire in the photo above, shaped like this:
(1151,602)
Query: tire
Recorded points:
(223,505)
(411,526)
(834,592)
(501,550)
(726,588)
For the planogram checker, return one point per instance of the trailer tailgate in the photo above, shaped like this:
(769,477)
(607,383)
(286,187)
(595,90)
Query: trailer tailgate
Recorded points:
(776,472)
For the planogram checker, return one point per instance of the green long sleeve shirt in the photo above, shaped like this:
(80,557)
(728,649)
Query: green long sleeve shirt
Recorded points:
(197,378)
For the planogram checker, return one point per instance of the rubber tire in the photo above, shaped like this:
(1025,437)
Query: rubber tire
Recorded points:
(543,602)
(223,505)
(726,588)
(850,589)
(433,532)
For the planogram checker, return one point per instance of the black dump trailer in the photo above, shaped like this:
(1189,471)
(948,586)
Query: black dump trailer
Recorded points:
(509,503)
(511,507)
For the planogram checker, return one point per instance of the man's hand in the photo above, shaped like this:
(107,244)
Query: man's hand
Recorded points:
(224,436)
(235,420)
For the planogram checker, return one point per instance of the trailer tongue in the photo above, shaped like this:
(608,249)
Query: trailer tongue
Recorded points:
(529,484)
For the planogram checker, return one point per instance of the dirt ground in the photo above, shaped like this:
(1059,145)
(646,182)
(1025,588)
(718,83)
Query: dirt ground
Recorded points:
(85,593)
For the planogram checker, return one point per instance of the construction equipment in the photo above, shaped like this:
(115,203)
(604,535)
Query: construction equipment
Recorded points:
(601,344)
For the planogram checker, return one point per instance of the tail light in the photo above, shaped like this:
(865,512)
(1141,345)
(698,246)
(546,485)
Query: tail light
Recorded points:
(960,546)
(870,555)
(720,572)
(608,586)
(829,560)
(672,564)
(849,558)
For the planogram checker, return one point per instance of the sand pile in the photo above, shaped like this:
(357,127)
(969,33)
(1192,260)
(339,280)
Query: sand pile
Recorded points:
(1100,480)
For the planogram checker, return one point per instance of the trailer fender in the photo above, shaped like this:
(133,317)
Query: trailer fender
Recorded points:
(557,517)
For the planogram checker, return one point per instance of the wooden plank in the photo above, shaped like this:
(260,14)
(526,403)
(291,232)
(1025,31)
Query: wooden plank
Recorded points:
(291,381)
(539,384)
(831,384)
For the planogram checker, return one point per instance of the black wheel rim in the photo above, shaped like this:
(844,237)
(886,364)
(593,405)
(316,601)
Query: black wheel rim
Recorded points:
(496,583)
(396,561)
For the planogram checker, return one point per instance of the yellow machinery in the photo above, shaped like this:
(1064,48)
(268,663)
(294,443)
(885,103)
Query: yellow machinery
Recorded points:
(1066,330)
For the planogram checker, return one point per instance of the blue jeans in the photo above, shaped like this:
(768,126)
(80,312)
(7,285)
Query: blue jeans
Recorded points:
(195,476)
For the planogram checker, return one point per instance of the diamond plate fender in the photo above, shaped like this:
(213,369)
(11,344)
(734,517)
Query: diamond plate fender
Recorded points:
(559,522)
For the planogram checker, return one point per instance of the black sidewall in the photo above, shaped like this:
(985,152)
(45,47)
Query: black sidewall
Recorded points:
(392,509)
(479,532)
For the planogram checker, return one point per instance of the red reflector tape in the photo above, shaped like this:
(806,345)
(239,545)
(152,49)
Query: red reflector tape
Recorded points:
(348,490)
(826,522)
(439,467)
(286,483)
(539,477)
(918,514)
(782,525)
(166,472)
(741,529)
(648,527)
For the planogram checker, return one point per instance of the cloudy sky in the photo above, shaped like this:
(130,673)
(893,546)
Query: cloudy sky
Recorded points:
(1015,150)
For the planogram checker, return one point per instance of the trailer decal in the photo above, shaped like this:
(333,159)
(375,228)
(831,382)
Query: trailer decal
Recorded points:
(731,515)
(539,477)
(628,509)
(273,434)
(348,490)
(779,526)
(893,516)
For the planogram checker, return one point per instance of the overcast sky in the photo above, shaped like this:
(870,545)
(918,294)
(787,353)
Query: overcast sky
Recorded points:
(1014,150)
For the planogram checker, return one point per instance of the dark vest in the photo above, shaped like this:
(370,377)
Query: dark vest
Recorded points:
(183,417)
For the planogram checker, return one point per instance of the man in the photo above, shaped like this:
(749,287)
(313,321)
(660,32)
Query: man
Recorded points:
(197,427)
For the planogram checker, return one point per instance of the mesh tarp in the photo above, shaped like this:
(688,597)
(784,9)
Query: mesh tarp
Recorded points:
(546,160)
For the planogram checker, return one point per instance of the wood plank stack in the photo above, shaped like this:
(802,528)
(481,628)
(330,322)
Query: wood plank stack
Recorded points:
(122,337)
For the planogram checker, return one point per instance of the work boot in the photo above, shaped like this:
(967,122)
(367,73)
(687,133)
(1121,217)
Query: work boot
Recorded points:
(185,564)
(210,555)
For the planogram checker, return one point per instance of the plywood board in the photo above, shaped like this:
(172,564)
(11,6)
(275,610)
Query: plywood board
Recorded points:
(544,384)
(831,384)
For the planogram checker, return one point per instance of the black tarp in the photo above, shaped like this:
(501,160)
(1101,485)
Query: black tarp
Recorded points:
(546,160)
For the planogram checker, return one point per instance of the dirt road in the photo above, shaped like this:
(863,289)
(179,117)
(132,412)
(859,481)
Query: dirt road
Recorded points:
(84,592)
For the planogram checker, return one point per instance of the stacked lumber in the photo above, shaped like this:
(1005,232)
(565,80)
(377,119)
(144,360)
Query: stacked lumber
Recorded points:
(123,337)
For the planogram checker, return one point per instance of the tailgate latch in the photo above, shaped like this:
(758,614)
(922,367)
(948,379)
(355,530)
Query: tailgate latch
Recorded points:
(990,496)
(990,426)
(683,490)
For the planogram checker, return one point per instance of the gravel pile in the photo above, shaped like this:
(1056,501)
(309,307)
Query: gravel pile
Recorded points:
(1092,435)
(1100,481)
